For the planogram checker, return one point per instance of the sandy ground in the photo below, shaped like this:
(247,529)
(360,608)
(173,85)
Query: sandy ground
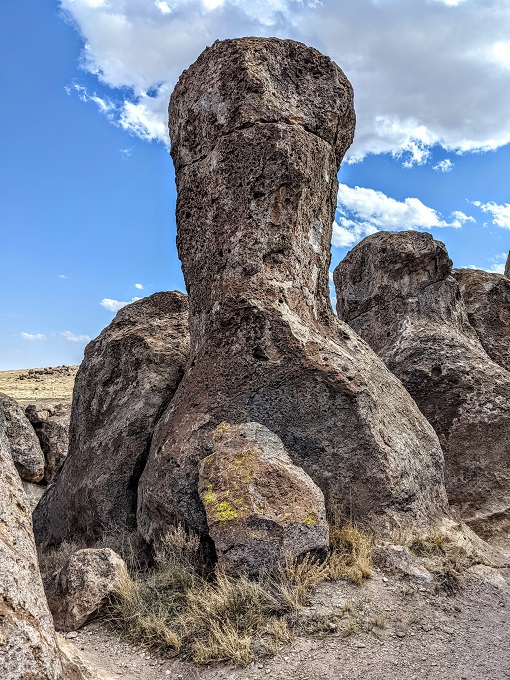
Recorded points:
(426,635)
(39,385)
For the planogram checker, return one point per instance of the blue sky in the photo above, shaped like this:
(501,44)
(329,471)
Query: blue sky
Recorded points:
(88,198)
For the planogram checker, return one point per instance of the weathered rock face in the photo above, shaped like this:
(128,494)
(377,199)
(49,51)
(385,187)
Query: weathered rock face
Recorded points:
(127,378)
(25,448)
(258,129)
(507,267)
(28,647)
(397,292)
(82,586)
(51,425)
(260,507)
(487,300)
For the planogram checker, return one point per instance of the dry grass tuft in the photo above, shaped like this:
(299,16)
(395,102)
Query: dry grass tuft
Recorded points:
(179,607)
(351,553)
(53,559)
(443,558)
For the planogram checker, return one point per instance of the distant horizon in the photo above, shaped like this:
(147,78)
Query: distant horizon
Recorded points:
(88,208)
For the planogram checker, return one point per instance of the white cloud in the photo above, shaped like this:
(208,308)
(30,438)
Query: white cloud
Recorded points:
(33,336)
(362,211)
(139,286)
(62,276)
(447,85)
(500,213)
(73,337)
(443,166)
(115,305)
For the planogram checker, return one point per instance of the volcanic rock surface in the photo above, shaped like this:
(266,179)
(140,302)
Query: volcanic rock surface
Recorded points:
(486,297)
(507,266)
(28,646)
(258,129)
(51,425)
(83,585)
(396,290)
(260,507)
(127,378)
(25,448)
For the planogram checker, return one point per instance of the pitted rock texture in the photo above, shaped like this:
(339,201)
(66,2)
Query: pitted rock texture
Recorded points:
(258,129)
(486,297)
(51,425)
(260,507)
(25,448)
(396,290)
(81,588)
(127,378)
(28,646)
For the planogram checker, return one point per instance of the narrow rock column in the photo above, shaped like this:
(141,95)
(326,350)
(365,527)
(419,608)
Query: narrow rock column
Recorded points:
(258,128)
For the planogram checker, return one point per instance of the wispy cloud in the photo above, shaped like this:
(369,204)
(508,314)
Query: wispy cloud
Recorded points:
(443,166)
(362,211)
(139,286)
(115,305)
(33,336)
(73,337)
(500,213)
(62,276)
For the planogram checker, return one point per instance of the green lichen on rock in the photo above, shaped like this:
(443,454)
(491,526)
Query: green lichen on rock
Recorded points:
(225,512)
(310,519)
(209,496)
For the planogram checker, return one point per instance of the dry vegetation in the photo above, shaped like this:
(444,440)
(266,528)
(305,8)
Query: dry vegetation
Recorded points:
(179,606)
(39,385)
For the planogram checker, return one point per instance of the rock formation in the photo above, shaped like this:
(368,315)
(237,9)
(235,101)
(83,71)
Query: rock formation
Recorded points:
(82,586)
(25,448)
(396,290)
(28,646)
(127,378)
(260,507)
(258,129)
(487,300)
(51,425)
(507,267)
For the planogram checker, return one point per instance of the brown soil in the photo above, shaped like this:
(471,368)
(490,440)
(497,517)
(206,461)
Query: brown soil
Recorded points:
(426,635)
(39,385)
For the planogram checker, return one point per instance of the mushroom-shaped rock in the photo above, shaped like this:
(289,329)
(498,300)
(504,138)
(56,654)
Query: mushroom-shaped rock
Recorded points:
(82,586)
(486,297)
(126,380)
(258,129)
(396,290)
(28,646)
(260,507)
(25,448)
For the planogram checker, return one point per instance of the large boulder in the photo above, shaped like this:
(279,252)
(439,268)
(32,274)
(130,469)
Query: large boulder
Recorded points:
(486,297)
(396,290)
(51,425)
(128,377)
(24,446)
(258,128)
(28,646)
(81,588)
(261,509)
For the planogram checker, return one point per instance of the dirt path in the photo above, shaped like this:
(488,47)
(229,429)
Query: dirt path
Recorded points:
(426,636)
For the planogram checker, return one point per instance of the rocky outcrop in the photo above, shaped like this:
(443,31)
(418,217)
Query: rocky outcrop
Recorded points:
(258,128)
(127,378)
(396,290)
(486,298)
(51,425)
(260,507)
(25,448)
(28,647)
(507,267)
(81,588)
